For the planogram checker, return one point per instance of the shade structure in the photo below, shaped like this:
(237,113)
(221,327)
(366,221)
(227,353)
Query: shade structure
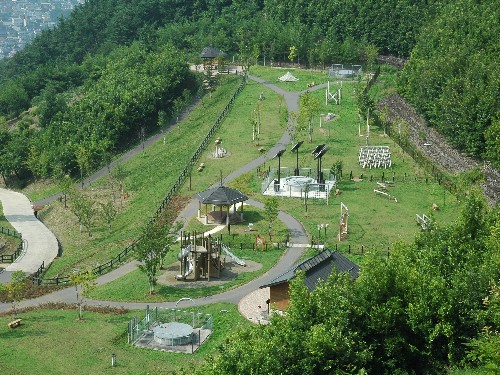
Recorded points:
(211,53)
(288,77)
(221,196)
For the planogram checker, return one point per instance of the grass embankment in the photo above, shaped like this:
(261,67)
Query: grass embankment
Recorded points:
(56,342)
(147,177)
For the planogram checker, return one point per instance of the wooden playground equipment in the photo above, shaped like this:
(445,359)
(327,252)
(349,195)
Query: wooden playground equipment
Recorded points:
(344,218)
(200,255)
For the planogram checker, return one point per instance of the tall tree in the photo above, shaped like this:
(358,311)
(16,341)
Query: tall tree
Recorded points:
(152,247)
(84,282)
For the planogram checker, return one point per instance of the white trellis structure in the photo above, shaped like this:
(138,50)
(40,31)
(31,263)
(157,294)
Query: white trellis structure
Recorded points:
(375,157)
(333,96)
(343,223)
(423,220)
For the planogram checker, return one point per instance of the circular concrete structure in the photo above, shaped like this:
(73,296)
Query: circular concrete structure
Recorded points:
(173,333)
(298,183)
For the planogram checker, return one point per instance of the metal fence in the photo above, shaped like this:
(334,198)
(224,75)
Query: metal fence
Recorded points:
(140,332)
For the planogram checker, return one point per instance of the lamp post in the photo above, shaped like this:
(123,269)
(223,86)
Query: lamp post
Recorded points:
(296,149)
(277,184)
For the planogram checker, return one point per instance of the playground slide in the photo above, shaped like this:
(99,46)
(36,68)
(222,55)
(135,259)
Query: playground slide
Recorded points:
(188,270)
(189,266)
(233,257)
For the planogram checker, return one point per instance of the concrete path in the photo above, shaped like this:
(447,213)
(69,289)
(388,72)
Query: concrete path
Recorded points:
(298,239)
(41,243)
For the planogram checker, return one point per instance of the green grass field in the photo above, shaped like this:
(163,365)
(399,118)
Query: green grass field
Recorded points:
(54,341)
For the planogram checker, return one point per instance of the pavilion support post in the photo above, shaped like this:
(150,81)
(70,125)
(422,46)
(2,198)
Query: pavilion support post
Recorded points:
(199,210)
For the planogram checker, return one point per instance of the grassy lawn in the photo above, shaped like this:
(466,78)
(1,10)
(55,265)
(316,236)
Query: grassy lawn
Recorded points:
(147,177)
(374,221)
(305,77)
(56,342)
(236,136)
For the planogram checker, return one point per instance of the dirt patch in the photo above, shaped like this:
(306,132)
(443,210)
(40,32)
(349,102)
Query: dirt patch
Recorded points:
(434,146)
(229,273)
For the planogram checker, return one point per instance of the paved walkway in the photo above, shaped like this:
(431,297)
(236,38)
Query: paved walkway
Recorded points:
(40,244)
(298,239)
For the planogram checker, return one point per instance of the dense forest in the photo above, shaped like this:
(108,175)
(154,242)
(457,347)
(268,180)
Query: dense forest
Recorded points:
(115,69)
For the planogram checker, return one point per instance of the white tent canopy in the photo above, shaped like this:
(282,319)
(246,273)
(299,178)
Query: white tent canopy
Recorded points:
(288,77)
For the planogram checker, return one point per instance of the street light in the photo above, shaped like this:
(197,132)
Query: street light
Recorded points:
(277,184)
(296,148)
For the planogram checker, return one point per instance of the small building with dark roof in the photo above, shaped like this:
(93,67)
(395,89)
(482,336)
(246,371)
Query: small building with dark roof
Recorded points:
(316,269)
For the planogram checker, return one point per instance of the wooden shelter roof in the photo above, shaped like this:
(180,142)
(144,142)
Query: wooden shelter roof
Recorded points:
(221,196)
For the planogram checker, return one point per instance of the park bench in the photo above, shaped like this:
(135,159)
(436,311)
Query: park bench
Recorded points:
(15,323)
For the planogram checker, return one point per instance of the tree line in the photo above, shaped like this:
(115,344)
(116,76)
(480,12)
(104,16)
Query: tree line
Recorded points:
(73,74)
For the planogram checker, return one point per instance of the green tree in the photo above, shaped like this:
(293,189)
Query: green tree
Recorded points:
(484,350)
(308,109)
(293,53)
(108,213)
(271,210)
(84,282)
(155,243)
(84,209)
(371,54)
(15,288)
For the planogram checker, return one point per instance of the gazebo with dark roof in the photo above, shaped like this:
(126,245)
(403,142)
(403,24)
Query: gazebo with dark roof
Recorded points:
(220,196)
(211,53)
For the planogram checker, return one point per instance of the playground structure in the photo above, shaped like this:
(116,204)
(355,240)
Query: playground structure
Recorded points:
(375,157)
(380,191)
(172,330)
(201,256)
(333,96)
(343,223)
(345,71)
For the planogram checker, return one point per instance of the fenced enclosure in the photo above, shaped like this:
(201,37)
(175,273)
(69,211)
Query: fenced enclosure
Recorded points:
(304,185)
(345,71)
(173,330)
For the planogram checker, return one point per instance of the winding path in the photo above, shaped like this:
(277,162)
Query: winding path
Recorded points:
(40,244)
(298,237)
